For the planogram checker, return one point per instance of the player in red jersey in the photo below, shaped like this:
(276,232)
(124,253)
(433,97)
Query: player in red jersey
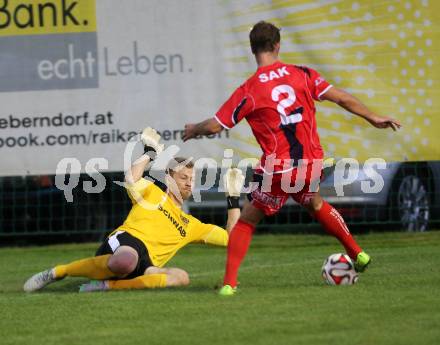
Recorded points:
(278,102)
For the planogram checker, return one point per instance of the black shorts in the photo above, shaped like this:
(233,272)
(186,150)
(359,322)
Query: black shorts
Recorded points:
(122,238)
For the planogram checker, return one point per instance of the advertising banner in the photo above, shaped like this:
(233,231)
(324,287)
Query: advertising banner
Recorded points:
(79,78)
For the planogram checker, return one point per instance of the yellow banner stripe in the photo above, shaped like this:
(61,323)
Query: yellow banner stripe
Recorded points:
(39,17)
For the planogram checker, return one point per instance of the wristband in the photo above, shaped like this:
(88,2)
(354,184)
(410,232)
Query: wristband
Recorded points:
(233,202)
(150,152)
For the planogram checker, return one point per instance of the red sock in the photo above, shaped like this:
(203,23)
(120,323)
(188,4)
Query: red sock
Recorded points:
(239,241)
(335,225)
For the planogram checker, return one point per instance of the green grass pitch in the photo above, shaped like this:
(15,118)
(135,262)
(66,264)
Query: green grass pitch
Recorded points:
(282,298)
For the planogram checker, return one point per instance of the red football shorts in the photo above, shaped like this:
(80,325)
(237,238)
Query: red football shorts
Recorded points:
(270,192)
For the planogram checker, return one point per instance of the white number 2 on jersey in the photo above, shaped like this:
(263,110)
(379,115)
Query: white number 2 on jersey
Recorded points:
(285,103)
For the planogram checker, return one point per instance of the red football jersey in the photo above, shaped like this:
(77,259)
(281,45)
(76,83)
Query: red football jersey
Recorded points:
(278,103)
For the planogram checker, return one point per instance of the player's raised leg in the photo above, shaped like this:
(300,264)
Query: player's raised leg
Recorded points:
(239,241)
(120,264)
(334,224)
(154,277)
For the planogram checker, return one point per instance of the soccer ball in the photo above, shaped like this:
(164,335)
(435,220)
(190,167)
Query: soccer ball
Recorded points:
(338,269)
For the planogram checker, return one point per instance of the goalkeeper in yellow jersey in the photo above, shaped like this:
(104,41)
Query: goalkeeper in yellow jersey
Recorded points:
(133,256)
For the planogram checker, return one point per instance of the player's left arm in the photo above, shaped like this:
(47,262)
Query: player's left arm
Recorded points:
(355,106)
(233,183)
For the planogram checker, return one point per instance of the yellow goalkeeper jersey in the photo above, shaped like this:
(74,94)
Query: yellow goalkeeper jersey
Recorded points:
(162,226)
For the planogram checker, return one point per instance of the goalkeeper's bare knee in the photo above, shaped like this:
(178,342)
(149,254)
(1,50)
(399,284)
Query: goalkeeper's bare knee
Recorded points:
(123,262)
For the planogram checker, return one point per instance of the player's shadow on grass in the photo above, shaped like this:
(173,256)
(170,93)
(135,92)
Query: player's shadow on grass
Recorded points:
(68,285)
(72,285)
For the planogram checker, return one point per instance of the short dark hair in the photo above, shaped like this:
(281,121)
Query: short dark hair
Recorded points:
(263,37)
(176,163)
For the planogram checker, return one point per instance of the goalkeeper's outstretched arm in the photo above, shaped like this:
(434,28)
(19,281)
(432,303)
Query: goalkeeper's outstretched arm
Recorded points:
(233,183)
(233,216)
(152,147)
(136,171)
